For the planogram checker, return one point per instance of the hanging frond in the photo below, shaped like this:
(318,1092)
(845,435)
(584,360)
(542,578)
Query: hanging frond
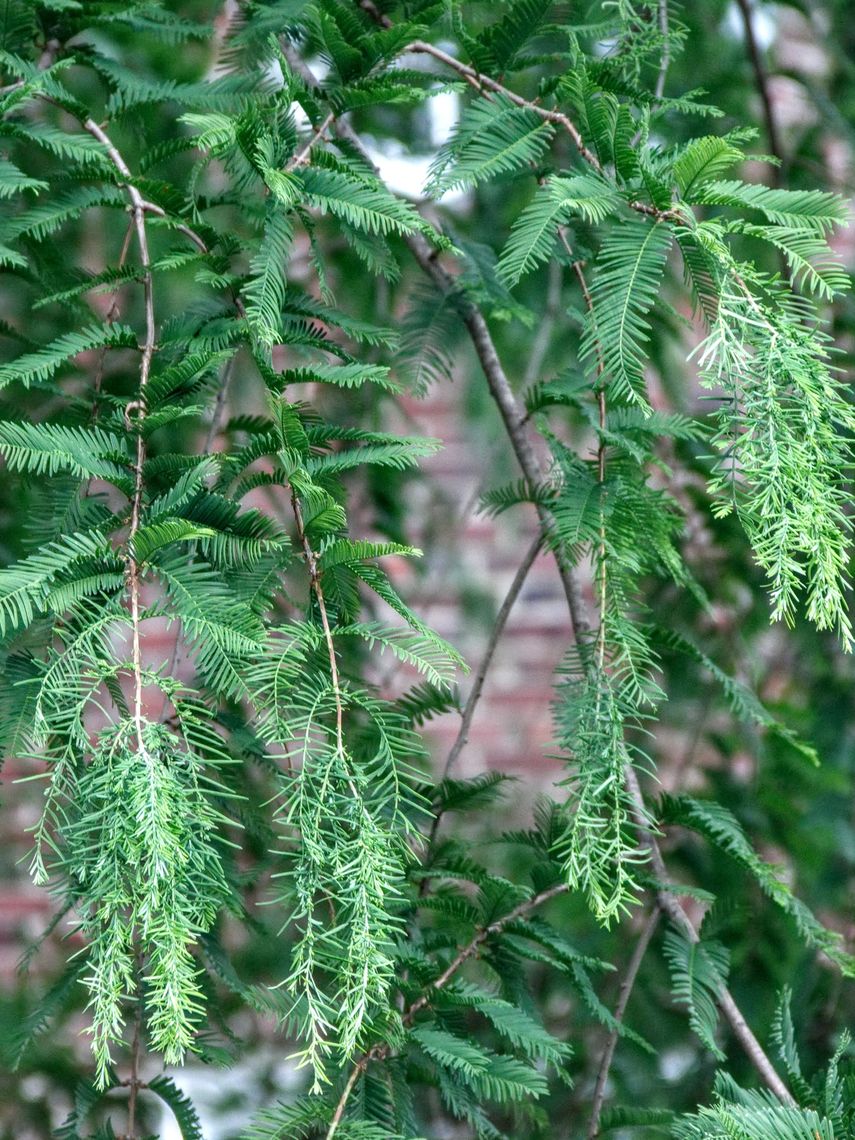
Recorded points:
(624,289)
(698,973)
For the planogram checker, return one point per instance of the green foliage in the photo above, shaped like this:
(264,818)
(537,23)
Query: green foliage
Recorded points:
(824,1107)
(494,137)
(190,421)
(698,971)
(623,291)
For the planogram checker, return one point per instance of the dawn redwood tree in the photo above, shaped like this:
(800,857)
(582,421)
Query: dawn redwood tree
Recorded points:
(196,359)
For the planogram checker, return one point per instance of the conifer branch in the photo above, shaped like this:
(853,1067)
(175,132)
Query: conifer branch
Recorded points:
(464,954)
(666,900)
(135,811)
(514,421)
(578,269)
(483,83)
(512,415)
(135,414)
(470,950)
(317,589)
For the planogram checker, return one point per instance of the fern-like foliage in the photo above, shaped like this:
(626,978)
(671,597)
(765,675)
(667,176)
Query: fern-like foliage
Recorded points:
(188,629)
(785,455)
(623,291)
(140,809)
(698,971)
(822,1107)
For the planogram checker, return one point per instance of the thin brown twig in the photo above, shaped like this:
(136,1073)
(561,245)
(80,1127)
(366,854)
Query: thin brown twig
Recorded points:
(134,1082)
(487,660)
(138,408)
(48,57)
(624,993)
(665,62)
(558,118)
(761,81)
(180,227)
(318,590)
(602,573)
(301,157)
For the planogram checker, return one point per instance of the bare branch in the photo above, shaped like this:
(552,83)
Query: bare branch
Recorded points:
(624,993)
(136,408)
(487,660)
(761,81)
(665,62)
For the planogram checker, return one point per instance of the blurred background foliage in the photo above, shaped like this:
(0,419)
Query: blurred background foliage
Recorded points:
(797,85)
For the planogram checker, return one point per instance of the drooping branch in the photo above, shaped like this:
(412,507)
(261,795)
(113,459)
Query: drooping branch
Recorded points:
(514,421)
(600,391)
(318,591)
(135,413)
